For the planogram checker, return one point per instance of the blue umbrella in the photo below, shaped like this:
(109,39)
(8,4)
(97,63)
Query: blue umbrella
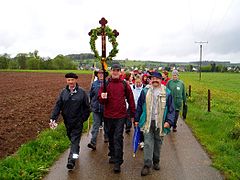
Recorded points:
(136,138)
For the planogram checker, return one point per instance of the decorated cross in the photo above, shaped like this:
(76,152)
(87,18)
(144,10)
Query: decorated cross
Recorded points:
(104,31)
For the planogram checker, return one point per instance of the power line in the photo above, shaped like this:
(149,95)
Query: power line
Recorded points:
(210,19)
(219,24)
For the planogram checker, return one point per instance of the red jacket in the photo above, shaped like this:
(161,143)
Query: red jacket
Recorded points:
(115,104)
(165,81)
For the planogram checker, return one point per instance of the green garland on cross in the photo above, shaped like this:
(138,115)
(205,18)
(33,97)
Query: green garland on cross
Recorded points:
(111,39)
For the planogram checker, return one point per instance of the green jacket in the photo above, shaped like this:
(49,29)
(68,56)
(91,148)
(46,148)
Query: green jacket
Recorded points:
(178,92)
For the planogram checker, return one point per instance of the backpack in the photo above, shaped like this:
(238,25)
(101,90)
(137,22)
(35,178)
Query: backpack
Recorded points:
(142,87)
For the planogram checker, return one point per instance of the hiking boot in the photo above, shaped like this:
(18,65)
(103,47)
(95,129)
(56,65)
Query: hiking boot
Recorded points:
(111,160)
(156,166)
(92,146)
(117,168)
(71,164)
(145,171)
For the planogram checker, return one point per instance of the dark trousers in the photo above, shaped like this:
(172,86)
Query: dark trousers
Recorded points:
(74,132)
(141,138)
(176,118)
(115,135)
(128,121)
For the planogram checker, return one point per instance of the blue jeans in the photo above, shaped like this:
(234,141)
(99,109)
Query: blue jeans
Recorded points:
(176,118)
(152,146)
(97,119)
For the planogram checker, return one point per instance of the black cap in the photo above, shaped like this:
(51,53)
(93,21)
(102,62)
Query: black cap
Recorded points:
(71,75)
(156,74)
(116,66)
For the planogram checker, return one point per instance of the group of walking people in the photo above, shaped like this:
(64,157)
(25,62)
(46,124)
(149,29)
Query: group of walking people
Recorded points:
(150,100)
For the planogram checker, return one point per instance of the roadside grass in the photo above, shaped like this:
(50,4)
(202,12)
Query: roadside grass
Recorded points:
(33,159)
(48,71)
(219,130)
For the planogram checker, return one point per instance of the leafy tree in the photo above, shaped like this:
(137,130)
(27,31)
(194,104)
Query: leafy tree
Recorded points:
(206,68)
(62,62)
(21,60)
(33,63)
(13,64)
(189,67)
(4,61)
(213,67)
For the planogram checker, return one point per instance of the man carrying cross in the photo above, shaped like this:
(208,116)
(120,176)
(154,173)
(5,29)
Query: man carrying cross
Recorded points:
(115,113)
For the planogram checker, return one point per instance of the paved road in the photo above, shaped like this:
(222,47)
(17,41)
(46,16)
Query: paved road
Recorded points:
(182,158)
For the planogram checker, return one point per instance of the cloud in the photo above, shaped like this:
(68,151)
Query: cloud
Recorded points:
(150,30)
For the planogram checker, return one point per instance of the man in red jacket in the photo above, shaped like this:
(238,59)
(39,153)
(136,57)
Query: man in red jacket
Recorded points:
(115,113)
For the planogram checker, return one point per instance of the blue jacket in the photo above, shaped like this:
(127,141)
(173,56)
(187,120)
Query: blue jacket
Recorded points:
(95,105)
(169,112)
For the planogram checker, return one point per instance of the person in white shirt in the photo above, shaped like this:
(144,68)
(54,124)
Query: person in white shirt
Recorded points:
(136,89)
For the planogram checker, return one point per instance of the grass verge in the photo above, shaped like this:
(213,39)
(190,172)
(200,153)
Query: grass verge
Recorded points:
(219,130)
(33,159)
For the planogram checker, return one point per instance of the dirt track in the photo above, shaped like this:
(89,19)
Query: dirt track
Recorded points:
(26,101)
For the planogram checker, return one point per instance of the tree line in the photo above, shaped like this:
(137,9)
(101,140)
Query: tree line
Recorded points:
(33,61)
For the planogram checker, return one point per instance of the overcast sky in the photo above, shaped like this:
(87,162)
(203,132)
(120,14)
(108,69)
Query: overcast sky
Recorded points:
(162,30)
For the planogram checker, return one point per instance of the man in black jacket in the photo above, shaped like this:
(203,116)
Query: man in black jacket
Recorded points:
(73,103)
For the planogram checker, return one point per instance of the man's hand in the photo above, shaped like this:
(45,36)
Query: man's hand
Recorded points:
(166,125)
(135,124)
(104,95)
(53,124)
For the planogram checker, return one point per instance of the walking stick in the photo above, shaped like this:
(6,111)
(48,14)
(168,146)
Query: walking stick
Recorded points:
(93,76)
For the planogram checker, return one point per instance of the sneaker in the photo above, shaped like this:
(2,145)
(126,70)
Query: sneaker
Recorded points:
(75,156)
(117,168)
(106,140)
(92,146)
(145,171)
(156,166)
(71,164)
(174,129)
(111,160)
(141,145)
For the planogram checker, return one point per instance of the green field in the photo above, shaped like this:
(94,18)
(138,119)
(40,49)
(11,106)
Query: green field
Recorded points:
(218,130)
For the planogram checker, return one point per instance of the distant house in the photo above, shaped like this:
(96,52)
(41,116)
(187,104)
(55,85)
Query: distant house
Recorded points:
(194,69)
(181,69)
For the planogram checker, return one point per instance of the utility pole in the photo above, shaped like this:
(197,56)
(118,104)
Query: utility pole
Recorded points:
(200,62)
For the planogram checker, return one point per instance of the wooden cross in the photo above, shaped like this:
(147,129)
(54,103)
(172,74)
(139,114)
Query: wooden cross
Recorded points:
(103,23)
